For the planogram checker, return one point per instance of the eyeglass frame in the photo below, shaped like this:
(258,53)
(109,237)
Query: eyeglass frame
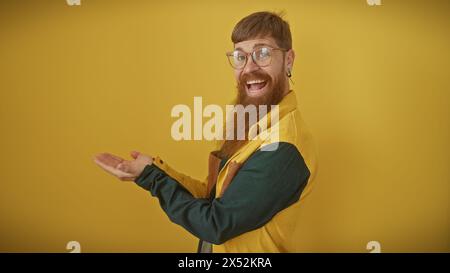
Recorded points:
(230,54)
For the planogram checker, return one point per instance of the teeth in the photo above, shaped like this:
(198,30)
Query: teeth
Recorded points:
(255,81)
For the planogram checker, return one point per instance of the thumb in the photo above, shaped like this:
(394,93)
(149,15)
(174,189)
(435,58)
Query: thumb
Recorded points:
(134,154)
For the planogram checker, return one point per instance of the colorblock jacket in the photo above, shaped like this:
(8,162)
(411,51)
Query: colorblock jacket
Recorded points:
(249,201)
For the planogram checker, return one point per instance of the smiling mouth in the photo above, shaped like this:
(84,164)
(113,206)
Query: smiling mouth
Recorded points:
(255,86)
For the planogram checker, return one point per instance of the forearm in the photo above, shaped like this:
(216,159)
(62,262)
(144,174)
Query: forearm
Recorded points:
(195,187)
(202,218)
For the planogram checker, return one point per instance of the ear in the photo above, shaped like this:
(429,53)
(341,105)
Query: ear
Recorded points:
(290,56)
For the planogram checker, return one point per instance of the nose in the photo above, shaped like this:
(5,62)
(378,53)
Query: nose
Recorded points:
(250,66)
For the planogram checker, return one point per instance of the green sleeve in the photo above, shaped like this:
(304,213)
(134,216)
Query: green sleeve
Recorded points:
(268,182)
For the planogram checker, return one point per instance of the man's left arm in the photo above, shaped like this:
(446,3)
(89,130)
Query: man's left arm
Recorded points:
(268,182)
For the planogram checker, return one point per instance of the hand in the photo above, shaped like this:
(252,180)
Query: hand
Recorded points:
(125,170)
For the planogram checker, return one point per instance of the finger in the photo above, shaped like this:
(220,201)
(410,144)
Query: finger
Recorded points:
(109,159)
(108,156)
(103,165)
(135,154)
(103,157)
(118,173)
(116,157)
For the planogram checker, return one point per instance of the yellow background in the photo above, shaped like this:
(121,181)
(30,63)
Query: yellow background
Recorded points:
(373,84)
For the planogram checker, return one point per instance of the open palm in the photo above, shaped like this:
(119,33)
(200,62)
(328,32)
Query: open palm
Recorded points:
(125,170)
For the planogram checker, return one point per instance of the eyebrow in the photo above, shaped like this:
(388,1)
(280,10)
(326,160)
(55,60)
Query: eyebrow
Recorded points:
(255,45)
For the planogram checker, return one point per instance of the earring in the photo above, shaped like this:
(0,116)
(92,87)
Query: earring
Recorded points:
(289,75)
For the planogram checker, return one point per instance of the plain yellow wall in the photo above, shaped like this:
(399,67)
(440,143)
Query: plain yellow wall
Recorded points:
(373,84)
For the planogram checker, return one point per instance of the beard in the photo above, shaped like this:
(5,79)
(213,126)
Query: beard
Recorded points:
(273,95)
(275,88)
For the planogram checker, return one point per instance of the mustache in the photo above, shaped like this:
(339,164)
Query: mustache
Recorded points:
(252,75)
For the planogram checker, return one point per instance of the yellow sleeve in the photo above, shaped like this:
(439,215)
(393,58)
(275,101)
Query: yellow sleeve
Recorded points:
(197,188)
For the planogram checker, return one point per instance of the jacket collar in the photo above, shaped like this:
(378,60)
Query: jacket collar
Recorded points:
(286,105)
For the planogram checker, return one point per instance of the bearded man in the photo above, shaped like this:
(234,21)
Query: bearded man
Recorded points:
(255,185)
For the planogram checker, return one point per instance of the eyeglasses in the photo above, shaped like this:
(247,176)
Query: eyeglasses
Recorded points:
(261,57)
